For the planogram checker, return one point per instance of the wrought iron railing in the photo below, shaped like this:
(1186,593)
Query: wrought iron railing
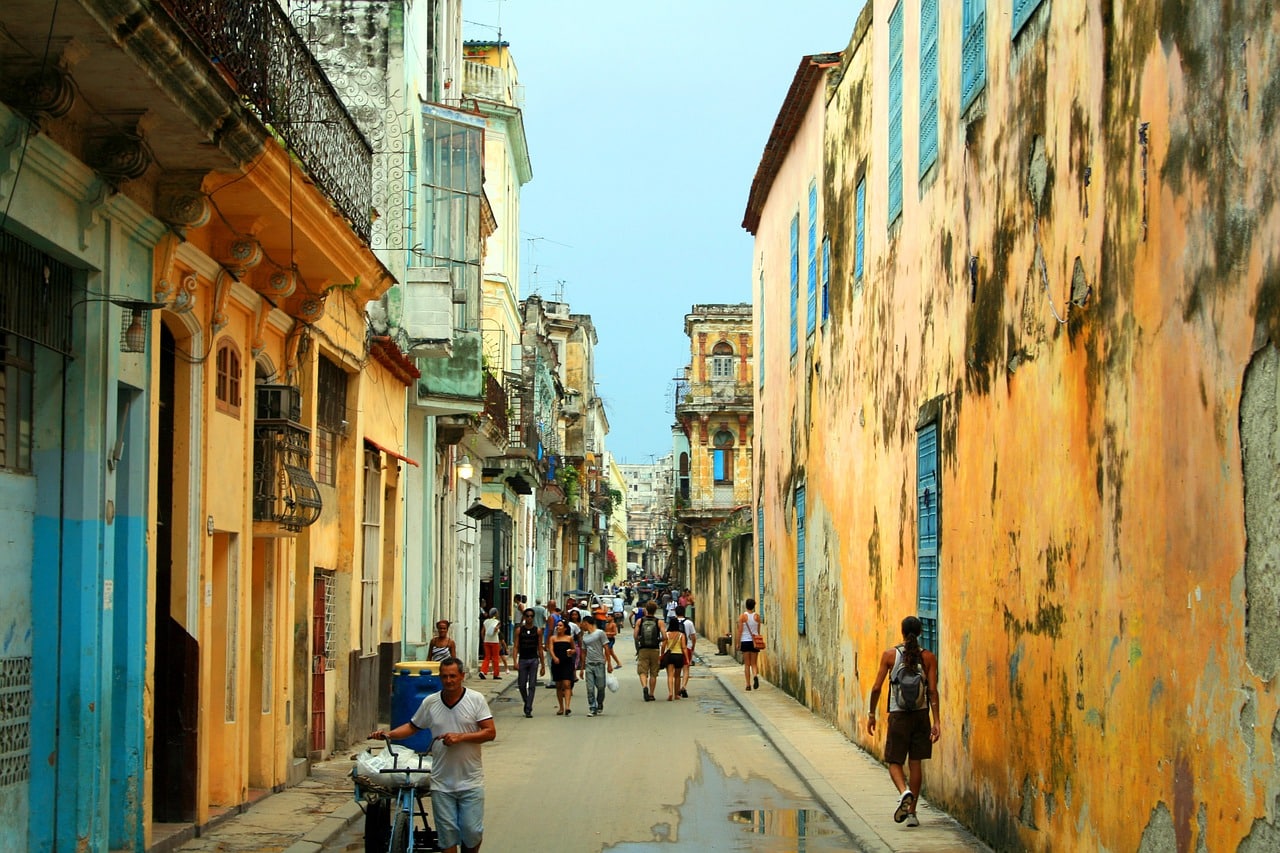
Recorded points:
(283,490)
(254,45)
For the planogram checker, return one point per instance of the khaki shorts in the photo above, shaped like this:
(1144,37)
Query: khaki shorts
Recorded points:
(647,663)
(908,737)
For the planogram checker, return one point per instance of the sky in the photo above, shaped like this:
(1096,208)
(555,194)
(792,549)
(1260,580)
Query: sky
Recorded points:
(645,122)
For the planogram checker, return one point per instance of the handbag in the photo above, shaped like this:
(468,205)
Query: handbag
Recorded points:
(757,640)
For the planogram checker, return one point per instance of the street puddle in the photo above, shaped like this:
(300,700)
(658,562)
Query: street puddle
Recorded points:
(733,813)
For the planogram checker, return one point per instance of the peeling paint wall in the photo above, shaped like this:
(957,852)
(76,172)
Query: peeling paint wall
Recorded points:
(1086,283)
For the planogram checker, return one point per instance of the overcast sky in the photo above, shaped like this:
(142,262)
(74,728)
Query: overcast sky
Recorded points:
(645,123)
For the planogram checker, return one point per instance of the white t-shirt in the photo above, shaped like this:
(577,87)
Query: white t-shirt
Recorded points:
(458,767)
(690,632)
(491,629)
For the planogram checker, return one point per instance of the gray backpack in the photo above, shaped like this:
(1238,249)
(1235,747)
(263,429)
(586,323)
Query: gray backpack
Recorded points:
(909,686)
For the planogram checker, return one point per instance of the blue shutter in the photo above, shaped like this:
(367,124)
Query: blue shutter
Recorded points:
(811,317)
(1022,10)
(800,559)
(860,227)
(928,85)
(927,507)
(795,279)
(760,341)
(895,113)
(826,278)
(760,548)
(973,52)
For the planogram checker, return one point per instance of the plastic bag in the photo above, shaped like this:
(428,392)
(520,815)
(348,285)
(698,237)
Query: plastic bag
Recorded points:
(611,681)
(375,767)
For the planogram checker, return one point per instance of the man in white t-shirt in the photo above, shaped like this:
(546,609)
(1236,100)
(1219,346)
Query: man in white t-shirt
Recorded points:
(460,721)
(691,639)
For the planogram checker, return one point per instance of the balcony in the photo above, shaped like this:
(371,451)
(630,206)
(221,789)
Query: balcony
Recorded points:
(284,494)
(454,385)
(256,49)
(715,396)
(490,83)
(492,431)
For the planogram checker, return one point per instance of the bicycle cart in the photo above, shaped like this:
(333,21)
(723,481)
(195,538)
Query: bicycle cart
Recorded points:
(392,791)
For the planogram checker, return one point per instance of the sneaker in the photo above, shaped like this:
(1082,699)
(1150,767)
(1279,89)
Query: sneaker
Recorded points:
(482,676)
(684,694)
(755,682)
(646,694)
(912,820)
(905,801)
(528,714)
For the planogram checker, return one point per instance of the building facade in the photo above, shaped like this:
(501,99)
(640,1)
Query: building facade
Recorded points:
(1020,382)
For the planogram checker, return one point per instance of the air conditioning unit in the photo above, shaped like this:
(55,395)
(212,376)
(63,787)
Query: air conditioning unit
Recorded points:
(278,403)
(428,306)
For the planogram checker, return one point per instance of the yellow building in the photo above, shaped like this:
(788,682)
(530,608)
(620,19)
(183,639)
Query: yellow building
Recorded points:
(1034,403)
(714,410)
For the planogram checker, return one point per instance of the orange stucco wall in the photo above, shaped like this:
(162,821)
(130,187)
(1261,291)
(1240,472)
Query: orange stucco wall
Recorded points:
(1106,640)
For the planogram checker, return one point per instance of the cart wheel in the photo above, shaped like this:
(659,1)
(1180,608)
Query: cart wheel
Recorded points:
(400,833)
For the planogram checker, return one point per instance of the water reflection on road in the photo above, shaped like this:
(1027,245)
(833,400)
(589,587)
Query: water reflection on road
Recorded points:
(732,813)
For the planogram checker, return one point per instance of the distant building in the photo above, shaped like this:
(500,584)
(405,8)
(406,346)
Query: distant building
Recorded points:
(649,505)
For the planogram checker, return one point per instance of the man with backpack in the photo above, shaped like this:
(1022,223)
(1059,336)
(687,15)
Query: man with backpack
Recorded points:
(648,634)
(913,691)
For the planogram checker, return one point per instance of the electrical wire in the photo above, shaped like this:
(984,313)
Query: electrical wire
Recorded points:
(26,137)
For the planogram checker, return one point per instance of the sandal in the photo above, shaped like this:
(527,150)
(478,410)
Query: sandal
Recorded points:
(560,713)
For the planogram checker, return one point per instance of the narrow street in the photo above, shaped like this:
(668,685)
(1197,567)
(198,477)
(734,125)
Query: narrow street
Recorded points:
(693,774)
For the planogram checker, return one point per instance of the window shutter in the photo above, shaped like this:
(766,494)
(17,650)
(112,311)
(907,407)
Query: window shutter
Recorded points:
(928,85)
(795,279)
(760,547)
(800,615)
(811,317)
(1022,10)
(895,113)
(973,52)
(927,499)
(860,227)
(826,278)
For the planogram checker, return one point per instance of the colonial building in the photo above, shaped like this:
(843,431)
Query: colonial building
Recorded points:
(714,409)
(650,508)
(1015,275)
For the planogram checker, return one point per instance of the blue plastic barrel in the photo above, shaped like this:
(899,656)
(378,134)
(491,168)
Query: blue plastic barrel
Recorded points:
(411,682)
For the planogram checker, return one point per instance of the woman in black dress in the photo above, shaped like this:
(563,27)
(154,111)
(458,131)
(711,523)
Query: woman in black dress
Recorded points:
(671,655)
(561,648)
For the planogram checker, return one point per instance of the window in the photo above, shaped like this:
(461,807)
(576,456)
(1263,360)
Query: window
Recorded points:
(795,279)
(811,316)
(859,227)
(1022,10)
(331,414)
(227,383)
(411,203)
(722,462)
(17,369)
(927,501)
(826,278)
(370,601)
(760,548)
(760,340)
(800,616)
(973,52)
(452,183)
(895,113)
(928,85)
(722,361)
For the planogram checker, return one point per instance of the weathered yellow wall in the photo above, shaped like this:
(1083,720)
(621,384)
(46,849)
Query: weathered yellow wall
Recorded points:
(1107,647)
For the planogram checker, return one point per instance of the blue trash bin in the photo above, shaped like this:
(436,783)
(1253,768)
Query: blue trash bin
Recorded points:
(411,682)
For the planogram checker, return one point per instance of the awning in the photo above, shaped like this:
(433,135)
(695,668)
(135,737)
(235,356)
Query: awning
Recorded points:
(387,450)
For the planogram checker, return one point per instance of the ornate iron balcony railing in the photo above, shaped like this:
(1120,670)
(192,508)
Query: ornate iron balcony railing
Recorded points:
(283,490)
(254,45)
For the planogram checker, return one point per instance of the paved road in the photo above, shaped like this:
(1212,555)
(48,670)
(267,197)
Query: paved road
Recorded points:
(692,774)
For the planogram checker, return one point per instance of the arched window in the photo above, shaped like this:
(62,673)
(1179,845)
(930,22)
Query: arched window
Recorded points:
(722,457)
(722,361)
(227,385)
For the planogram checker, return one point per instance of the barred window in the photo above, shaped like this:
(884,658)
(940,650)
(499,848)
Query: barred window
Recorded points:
(17,363)
(331,414)
(227,386)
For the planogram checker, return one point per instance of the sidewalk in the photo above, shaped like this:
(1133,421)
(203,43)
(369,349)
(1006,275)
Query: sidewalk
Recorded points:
(304,818)
(851,785)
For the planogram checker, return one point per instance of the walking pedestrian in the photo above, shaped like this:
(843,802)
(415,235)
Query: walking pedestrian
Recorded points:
(489,632)
(913,691)
(691,639)
(561,648)
(748,630)
(539,615)
(648,634)
(672,653)
(460,721)
(553,618)
(595,663)
(530,659)
(441,647)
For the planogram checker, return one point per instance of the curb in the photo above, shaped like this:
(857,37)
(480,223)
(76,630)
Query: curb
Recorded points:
(327,829)
(850,821)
